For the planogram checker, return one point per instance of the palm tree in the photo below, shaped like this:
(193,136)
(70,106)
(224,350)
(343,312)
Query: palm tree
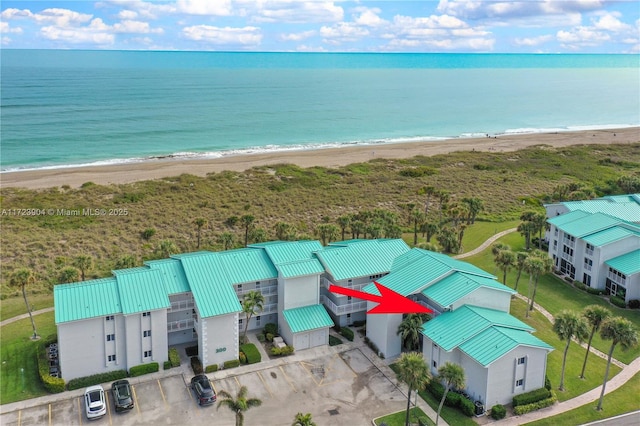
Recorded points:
(505,259)
(453,377)
(227,239)
(620,331)
(84,263)
(428,191)
(247,221)
(567,325)
(595,315)
(166,248)
(343,223)
(303,420)
(539,221)
(521,257)
(417,218)
(199,222)
(414,372)
(258,235)
(475,206)
(284,231)
(327,232)
(430,229)
(527,227)
(126,261)
(252,304)
(537,264)
(239,405)
(23,277)
(357,228)
(69,274)
(410,328)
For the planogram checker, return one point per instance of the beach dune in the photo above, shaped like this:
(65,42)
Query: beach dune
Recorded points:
(329,157)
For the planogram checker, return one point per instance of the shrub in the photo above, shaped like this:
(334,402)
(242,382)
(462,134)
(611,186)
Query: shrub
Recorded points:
(498,412)
(166,365)
(242,358)
(531,397)
(347,333)
(547,383)
(334,341)
(596,291)
(148,233)
(232,363)
(261,337)
(619,302)
(634,304)
(251,353)
(96,379)
(467,406)
(359,323)
(196,365)
(287,350)
(211,368)
(452,399)
(436,389)
(579,285)
(523,409)
(191,351)
(139,370)
(271,328)
(51,384)
(174,357)
(269,337)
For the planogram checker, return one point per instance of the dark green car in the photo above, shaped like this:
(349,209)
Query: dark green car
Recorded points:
(122,397)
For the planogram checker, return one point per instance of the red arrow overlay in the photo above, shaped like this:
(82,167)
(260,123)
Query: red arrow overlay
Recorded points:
(389,302)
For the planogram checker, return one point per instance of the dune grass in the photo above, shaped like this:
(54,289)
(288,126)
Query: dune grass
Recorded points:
(19,378)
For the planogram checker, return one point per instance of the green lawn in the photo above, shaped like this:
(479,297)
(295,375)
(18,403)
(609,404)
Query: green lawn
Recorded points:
(397,419)
(19,370)
(555,294)
(574,386)
(14,306)
(622,400)
(480,232)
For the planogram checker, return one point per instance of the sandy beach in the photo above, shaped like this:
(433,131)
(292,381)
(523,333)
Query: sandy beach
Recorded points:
(331,157)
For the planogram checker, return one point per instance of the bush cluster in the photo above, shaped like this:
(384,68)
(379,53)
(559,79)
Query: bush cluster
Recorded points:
(96,379)
(347,333)
(634,303)
(251,353)
(584,287)
(211,368)
(453,399)
(547,383)
(166,365)
(196,365)
(139,370)
(271,328)
(359,323)
(498,412)
(531,397)
(232,363)
(526,408)
(287,350)
(373,346)
(334,341)
(174,357)
(618,301)
(51,384)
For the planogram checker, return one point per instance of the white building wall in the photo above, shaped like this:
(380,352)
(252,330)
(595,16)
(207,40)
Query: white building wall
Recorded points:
(504,372)
(476,378)
(486,298)
(155,346)
(382,330)
(301,291)
(218,339)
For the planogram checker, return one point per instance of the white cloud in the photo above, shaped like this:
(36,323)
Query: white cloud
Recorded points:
(205,7)
(610,22)
(127,14)
(291,11)
(95,33)
(533,41)
(12,13)
(5,28)
(582,37)
(135,27)
(247,36)
(298,36)
(343,32)
(62,17)
(433,21)
(369,17)
(491,10)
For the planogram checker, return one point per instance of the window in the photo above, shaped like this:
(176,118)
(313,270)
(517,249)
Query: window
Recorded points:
(521,360)
(111,358)
(435,365)
(258,320)
(239,287)
(111,337)
(147,354)
(146,333)
(257,285)
(109,318)
(349,299)
(586,279)
(146,314)
(240,321)
(519,382)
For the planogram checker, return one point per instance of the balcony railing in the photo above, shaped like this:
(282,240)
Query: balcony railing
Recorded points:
(180,325)
(266,291)
(326,283)
(567,257)
(569,243)
(181,305)
(343,309)
(617,279)
(587,267)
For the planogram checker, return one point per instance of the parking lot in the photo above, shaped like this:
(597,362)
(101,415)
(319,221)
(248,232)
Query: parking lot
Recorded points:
(339,389)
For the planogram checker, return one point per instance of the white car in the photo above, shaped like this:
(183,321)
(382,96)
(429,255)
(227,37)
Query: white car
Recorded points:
(94,402)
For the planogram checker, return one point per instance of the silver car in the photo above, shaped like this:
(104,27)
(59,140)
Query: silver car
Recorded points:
(94,402)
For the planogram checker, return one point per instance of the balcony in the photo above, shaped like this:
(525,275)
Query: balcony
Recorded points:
(617,279)
(343,309)
(266,291)
(567,257)
(326,283)
(181,305)
(185,324)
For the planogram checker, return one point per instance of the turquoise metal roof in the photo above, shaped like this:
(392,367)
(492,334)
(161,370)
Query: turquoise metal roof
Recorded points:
(354,259)
(87,299)
(307,318)
(289,251)
(628,263)
(625,207)
(459,284)
(129,270)
(563,219)
(494,342)
(451,329)
(211,286)
(417,269)
(247,265)
(589,224)
(142,290)
(300,268)
(174,278)
(611,235)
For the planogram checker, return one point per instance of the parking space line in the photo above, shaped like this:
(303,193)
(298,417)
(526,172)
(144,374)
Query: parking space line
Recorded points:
(287,379)
(49,414)
(309,371)
(135,398)
(80,410)
(350,367)
(237,381)
(19,417)
(265,384)
(106,396)
(162,393)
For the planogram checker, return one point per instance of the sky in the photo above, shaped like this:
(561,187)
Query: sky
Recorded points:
(527,26)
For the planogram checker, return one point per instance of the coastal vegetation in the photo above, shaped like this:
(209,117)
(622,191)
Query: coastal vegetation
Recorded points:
(97,228)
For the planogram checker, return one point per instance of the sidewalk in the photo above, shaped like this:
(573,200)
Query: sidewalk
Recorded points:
(23,316)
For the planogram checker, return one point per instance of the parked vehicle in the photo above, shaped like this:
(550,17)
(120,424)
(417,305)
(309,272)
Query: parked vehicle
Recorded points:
(203,389)
(94,402)
(122,397)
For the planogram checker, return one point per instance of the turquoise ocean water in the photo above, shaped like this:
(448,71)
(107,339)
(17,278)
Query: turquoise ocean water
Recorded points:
(62,108)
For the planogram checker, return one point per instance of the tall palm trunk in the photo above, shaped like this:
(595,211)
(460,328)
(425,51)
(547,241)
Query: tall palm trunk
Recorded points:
(33,324)
(444,397)
(406,419)
(564,362)
(606,375)
(584,365)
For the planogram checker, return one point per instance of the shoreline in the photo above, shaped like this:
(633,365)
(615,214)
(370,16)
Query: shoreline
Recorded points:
(323,157)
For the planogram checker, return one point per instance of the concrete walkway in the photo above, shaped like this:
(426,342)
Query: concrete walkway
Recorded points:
(486,244)
(23,316)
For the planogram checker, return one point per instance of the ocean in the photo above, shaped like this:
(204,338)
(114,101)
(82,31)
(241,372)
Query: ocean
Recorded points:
(72,107)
